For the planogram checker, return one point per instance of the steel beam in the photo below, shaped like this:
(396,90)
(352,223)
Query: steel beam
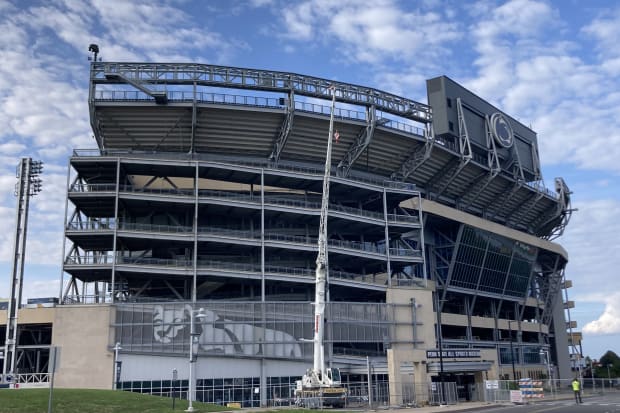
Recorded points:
(192,146)
(451,166)
(532,200)
(506,196)
(416,159)
(465,152)
(285,129)
(360,144)
(553,288)
(492,160)
(140,75)
(160,96)
(173,127)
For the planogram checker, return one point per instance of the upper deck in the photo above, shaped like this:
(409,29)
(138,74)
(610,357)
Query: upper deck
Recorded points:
(278,118)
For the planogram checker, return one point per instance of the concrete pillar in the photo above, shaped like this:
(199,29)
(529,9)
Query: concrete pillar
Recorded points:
(394,377)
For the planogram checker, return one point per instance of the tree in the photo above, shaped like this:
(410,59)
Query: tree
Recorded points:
(610,359)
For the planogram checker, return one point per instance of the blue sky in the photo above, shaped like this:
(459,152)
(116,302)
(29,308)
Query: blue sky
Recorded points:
(553,65)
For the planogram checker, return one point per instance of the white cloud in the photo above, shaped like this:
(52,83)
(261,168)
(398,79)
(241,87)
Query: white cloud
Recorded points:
(43,87)
(370,31)
(589,238)
(528,68)
(11,148)
(606,31)
(503,36)
(609,321)
(42,288)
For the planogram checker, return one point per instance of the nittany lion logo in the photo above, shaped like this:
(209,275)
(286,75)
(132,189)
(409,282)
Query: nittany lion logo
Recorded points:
(219,335)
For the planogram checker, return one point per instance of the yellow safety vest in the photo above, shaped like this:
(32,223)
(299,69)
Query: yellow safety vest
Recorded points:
(575,385)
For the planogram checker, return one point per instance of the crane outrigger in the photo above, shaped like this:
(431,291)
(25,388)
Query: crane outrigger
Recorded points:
(321,386)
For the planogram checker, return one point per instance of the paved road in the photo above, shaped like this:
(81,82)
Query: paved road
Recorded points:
(595,404)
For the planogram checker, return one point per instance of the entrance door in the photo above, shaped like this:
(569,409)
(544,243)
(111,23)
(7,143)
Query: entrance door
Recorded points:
(465,386)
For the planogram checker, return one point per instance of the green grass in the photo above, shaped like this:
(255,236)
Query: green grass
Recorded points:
(92,401)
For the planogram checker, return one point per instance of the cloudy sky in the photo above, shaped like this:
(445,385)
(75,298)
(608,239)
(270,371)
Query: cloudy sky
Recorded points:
(555,66)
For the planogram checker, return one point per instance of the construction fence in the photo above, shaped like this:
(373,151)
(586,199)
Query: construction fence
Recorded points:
(532,390)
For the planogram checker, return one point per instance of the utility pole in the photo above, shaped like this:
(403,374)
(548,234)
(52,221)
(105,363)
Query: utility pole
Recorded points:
(28,184)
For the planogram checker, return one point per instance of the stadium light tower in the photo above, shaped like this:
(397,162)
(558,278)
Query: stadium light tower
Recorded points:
(95,50)
(28,184)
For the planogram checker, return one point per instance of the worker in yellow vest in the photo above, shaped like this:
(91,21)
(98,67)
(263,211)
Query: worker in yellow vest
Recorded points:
(577,390)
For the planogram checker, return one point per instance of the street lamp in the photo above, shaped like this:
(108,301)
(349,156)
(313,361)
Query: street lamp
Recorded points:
(117,364)
(545,353)
(193,336)
(609,374)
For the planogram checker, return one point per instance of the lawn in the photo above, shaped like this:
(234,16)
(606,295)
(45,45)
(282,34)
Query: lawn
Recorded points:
(92,401)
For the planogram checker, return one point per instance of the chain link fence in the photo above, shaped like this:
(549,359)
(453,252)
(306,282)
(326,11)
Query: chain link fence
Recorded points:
(532,390)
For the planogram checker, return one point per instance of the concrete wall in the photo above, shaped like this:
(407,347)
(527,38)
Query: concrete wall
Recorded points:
(39,315)
(561,340)
(83,334)
(435,208)
(406,358)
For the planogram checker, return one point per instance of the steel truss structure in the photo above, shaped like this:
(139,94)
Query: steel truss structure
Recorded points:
(203,220)
(191,118)
(484,275)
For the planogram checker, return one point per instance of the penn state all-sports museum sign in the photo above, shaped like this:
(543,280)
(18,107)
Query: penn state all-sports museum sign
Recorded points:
(453,354)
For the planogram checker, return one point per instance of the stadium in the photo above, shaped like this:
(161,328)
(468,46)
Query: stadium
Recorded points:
(193,225)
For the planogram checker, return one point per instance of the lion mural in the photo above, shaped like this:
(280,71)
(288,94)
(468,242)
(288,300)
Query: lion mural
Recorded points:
(224,336)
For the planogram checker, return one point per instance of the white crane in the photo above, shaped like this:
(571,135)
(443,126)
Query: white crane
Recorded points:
(319,383)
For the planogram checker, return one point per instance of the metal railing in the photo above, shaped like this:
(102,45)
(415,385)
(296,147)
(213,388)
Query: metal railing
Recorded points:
(91,225)
(26,379)
(158,191)
(258,102)
(89,260)
(245,197)
(79,187)
(173,229)
(281,166)
(273,270)
(247,235)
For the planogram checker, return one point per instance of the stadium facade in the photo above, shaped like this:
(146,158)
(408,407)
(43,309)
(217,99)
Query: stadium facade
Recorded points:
(202,201)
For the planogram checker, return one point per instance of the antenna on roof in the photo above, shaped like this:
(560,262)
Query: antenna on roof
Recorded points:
(95,49)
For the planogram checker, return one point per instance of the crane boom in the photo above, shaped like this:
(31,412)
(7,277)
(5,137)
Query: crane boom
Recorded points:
(321,259)
(322,386)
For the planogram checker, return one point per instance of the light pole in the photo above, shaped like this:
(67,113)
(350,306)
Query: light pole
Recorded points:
(609,374)
(512,353)
(592,374)
(117,364)
(545,353)
(192,359)
(28,185)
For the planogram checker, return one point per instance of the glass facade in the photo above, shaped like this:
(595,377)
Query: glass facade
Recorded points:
(246,390)
(491,263)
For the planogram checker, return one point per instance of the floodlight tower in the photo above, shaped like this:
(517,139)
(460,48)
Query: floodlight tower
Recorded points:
(28,184)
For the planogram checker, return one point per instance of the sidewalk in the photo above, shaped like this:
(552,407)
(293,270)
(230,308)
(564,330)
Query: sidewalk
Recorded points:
(460,407)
